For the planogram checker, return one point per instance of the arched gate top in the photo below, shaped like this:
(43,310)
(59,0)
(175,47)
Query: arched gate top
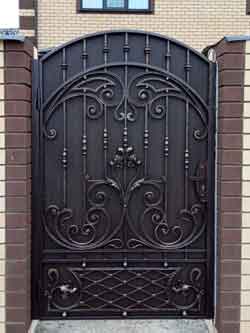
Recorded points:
(130,32)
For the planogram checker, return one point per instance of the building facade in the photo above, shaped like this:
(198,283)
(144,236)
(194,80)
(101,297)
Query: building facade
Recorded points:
(195,22)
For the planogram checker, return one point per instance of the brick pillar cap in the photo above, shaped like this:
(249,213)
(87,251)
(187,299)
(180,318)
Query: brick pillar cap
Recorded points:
(11,34)
(237,38)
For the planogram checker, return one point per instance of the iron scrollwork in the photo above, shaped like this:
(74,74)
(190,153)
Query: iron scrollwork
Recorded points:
(63,291)
(147,90)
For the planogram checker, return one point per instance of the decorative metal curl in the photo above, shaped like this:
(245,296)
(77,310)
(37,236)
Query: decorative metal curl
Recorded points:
(63,293)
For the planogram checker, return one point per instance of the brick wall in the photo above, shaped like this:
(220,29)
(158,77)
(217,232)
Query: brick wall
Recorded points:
(197,22)
(233,310)
(245,232)
(15,173)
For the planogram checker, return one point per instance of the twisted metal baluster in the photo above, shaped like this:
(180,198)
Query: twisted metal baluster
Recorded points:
(105,130)
(64,159)
(166,139)
(147,51)
(187,154)
(84,135)
(125,129)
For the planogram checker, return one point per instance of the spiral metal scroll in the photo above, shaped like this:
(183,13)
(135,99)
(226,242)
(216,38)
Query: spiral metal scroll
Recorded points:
(106,88)
(64,290)
(147,90)
(154,229)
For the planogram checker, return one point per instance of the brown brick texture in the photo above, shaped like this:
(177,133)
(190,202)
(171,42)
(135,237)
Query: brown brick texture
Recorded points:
(18,61)
(230,58)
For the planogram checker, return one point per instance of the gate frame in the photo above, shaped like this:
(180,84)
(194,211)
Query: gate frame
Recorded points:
(36,157)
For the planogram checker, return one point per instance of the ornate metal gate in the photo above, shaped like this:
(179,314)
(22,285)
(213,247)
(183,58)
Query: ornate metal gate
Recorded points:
(123,211)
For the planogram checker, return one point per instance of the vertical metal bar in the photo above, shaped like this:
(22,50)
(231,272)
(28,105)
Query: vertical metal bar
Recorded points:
(168,55)
(147,51)
(166,139)
(84,135)
(105,130)
(65,150)
(186,154)
(125,137)
(125,129)
(37,194)
(211,186)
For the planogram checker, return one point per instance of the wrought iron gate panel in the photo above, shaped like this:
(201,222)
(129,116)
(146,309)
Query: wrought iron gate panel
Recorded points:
(123,191)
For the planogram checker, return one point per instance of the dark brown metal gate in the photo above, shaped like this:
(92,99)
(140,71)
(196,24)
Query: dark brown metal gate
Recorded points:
(123,211)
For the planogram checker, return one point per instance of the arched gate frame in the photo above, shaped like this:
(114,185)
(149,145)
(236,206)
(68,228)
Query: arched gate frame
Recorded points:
(123,190)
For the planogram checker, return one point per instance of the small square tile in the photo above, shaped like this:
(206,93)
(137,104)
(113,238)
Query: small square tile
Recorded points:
(1,91)
(245,204)
(246,172)
(247,61)
(247,92)
(2,283)
(245,188)
(246,157)
(247,50)
(1,75)
(246,110)
(2,140)
(2,328)
(245,282)
(2,314)
(245,235)
(2,124)
(2,267)
(246,220)
(245,313)
(247,78)
(245,267)
(2,204)
(245,327)
(2,251)
(245,298)
(1,108)
(245,251)
(1,59)
(246,141)
(2,220)
(2,172)
(2,236)
(2,298)
(246,125)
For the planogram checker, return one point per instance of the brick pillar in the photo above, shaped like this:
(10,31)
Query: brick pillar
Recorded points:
(230,58)
(15,173)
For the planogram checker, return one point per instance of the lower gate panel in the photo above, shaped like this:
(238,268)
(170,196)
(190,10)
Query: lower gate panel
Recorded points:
(172,291)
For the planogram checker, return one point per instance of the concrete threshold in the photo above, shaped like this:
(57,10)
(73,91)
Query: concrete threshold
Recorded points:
(126,326)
